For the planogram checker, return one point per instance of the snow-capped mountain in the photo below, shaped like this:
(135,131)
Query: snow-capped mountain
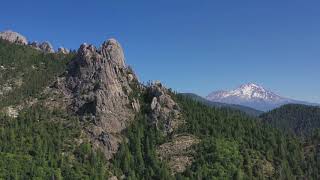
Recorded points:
(252,95)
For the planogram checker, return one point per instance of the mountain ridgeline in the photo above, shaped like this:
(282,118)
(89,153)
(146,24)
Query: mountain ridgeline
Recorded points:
(298,119)
(248,110)
(85,115)
(254,96)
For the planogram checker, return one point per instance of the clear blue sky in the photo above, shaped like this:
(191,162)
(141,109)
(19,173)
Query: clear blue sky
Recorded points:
(191,46)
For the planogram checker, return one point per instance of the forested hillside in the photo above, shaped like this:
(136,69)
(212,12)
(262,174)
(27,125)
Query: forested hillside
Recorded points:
(40,141)
(248,110)
(24,71)
(233,146)
(299,119)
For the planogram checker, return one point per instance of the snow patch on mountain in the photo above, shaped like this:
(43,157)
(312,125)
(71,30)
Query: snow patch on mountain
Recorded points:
(251,95)
(246,91)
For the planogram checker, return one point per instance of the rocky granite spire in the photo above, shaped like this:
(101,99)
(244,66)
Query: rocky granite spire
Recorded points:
(99,86)
(46,47)
(112,50)
(13,37)
(105,93)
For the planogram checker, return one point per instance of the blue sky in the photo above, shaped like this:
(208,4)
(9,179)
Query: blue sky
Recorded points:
(191,46)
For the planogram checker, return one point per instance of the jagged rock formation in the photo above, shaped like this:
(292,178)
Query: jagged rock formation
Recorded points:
(98,87)
(45,47)
(17,38)
(13,37)
(165,112)
(34,45)
(63,50)
(112,50)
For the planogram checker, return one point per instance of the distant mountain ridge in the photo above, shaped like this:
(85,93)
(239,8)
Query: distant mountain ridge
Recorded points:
(247,110)
(299,119)
(254,96)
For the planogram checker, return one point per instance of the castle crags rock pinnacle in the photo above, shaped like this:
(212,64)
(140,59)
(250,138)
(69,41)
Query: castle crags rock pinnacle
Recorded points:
(100,84)
(104,93)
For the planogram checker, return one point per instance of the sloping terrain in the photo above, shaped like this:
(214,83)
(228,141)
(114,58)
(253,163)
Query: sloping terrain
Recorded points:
(299,119)
(85,115)
(248,110)
(37,142)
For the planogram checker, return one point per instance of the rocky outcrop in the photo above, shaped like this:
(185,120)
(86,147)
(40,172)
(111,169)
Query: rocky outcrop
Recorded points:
(104,92)
(17,38)
(63,50)
(165,112)
(178,152)
(98,87)
(45,47)
(112,50)
(13,37)
(34,45)
(167,116)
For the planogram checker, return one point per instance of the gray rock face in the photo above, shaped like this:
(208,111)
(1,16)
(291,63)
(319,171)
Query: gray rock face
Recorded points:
(99,88)
(46,47)
(177,153)
(63,50)
(112,50)
(165,112)
(13,37)
(34,45)
(99,85)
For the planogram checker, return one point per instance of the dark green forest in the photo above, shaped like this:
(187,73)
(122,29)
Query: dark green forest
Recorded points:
(28,71)
(298,119)
(248,110)
(42,143)
(233,146)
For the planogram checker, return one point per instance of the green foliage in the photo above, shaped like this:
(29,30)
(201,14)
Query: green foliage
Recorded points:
(41,144)
(248,110)
(137,158)
(312,156)
(44,144)
(27,71)
(234,145)
(298,119)
(219,158)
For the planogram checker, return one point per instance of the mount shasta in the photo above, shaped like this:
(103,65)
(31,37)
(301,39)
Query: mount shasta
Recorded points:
(254,96)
